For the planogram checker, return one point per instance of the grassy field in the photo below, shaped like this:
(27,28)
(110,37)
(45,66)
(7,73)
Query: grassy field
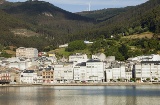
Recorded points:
(61,52)
(24,32)
(140,36)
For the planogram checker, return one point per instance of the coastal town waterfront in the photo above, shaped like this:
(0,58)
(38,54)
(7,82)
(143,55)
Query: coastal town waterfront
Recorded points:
(81,95)
(31,67)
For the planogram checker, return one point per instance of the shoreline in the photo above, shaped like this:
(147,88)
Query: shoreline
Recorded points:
(79,84)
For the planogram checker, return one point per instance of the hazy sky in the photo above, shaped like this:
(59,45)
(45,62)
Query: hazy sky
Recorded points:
(83,5)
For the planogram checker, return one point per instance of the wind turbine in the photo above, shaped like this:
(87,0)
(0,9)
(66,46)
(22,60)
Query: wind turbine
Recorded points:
(89,6)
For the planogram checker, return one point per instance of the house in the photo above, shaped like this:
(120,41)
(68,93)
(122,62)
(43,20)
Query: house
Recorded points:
(99,56)
(78,57)
(63,46)
(88,42)
(28,77)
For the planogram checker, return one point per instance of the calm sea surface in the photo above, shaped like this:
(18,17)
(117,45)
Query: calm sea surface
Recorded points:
(81,95)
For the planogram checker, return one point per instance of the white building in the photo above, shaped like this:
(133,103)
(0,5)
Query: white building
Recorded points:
(95,71)
(78,57)
(99,56)
(115,71)
(80,72)
(63,46)
(152,57)
(63,73)
(88,42)
(128,75)
(26,52)
(147,70)
(28,77)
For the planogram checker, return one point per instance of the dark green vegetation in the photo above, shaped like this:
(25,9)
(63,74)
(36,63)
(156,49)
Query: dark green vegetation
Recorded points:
(122,48)
(51,26)
(76,45)
(124,21)
(104,14)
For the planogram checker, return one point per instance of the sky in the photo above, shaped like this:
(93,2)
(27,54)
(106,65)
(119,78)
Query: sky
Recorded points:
(85,5)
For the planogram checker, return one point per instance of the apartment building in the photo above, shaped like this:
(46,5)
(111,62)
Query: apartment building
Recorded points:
(95,71)
(48,75)
(116,71)
(26,52)
(63,73)
(147,71)
(28,77)
(80,72)
(5,77)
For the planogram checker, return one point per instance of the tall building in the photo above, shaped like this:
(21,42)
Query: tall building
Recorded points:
(63,73)
(26,52)
(95,71)
(147,71)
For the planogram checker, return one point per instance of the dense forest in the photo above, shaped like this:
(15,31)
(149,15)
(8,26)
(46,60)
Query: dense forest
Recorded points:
(51,26)
(124,21)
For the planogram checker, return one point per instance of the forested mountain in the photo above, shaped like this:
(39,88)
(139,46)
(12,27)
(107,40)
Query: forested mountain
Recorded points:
(48,21)
(104,14)
(53,26)
(137,19)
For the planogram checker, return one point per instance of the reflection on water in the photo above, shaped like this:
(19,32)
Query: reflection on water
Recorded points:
(80,95)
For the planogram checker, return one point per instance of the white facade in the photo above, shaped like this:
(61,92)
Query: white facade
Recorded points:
(152,57)
(63,73)
(63,46)
(28,77)
(147,70)
(95,71)
(78,58)
(128,75)
(80,72)
(99,56)
(26,52)
(115,73)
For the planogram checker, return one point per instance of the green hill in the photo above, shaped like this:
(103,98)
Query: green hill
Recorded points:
(44,26)
(104,14)
(125,21)
(50,23)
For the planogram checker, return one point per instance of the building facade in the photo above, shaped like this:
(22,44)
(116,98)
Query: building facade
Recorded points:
(28,77)
(80,72)
(5,77)
(63,73)
(115,72)
(78,57)
(95,71)
(26,52)
(147,71)
(48,75)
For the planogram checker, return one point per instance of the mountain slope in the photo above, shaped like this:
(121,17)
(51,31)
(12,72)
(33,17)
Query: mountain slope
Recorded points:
(104,14)
(141,18)
(45,19)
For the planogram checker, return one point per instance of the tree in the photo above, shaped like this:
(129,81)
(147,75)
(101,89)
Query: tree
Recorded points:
(76,45)
(123,49)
